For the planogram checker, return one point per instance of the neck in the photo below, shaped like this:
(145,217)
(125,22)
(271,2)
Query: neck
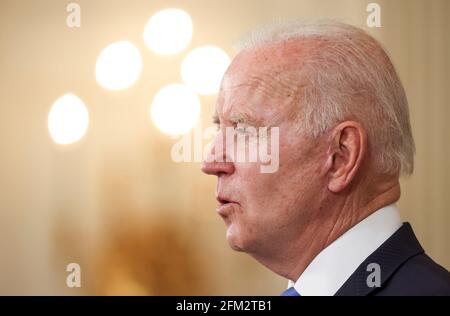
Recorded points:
(337,217)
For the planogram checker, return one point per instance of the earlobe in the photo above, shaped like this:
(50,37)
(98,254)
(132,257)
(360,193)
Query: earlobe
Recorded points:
(335,185)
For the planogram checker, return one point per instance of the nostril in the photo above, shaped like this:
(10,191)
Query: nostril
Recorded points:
(220,173)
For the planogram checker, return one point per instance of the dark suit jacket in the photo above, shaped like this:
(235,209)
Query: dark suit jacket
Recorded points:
(405,270)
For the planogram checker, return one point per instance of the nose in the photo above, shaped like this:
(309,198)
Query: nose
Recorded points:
(216,168)
(217,162)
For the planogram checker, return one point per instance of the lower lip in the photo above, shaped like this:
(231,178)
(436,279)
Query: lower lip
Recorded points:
(225,209)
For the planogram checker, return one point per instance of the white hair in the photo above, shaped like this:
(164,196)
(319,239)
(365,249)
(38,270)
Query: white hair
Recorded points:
(349,76)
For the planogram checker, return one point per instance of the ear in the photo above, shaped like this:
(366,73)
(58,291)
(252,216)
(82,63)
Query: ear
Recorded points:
(345,155)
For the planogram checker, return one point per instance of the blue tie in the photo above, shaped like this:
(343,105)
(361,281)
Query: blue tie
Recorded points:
(290,292)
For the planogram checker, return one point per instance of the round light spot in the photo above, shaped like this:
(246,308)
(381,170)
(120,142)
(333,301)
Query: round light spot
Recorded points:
(68,119)
(203,69)
(168,32)
(118,66)
(175,109)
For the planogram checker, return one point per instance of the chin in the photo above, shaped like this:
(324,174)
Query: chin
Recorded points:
(236,240)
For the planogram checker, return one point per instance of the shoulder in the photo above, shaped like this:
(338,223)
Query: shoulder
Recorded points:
(419,275)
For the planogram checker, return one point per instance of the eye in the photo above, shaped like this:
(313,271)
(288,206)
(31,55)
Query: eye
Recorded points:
(240,128)
(245,129)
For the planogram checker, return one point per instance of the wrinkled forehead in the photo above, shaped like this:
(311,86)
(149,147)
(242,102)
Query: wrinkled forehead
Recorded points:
(263,82)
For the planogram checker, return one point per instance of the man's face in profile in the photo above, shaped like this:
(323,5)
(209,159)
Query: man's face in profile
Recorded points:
(263,209)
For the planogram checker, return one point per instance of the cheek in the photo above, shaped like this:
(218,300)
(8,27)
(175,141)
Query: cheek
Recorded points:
(258,188)
(281,189)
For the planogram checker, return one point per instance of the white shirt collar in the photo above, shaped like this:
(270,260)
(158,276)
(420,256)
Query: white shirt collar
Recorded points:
(336,263)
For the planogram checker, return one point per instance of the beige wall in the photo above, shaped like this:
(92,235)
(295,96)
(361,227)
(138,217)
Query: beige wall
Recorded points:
(115,202)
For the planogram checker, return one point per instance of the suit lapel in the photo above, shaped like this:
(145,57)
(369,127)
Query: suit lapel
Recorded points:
(400,247)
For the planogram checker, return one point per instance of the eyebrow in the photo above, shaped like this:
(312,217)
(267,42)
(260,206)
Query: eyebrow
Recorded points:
(238,118)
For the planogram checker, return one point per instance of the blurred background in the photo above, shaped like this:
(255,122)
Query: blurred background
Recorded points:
(100,189)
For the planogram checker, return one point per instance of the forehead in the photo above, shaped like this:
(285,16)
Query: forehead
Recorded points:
(254,96)
(263,83)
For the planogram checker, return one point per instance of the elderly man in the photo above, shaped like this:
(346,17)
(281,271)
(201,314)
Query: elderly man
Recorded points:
(326,219)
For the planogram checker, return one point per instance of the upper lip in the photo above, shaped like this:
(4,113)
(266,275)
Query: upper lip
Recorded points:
(222,199)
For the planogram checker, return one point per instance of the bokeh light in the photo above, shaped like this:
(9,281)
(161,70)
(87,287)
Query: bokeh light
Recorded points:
(168,32)
(175,109)
(203,69)
(68,119)
(118,66)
